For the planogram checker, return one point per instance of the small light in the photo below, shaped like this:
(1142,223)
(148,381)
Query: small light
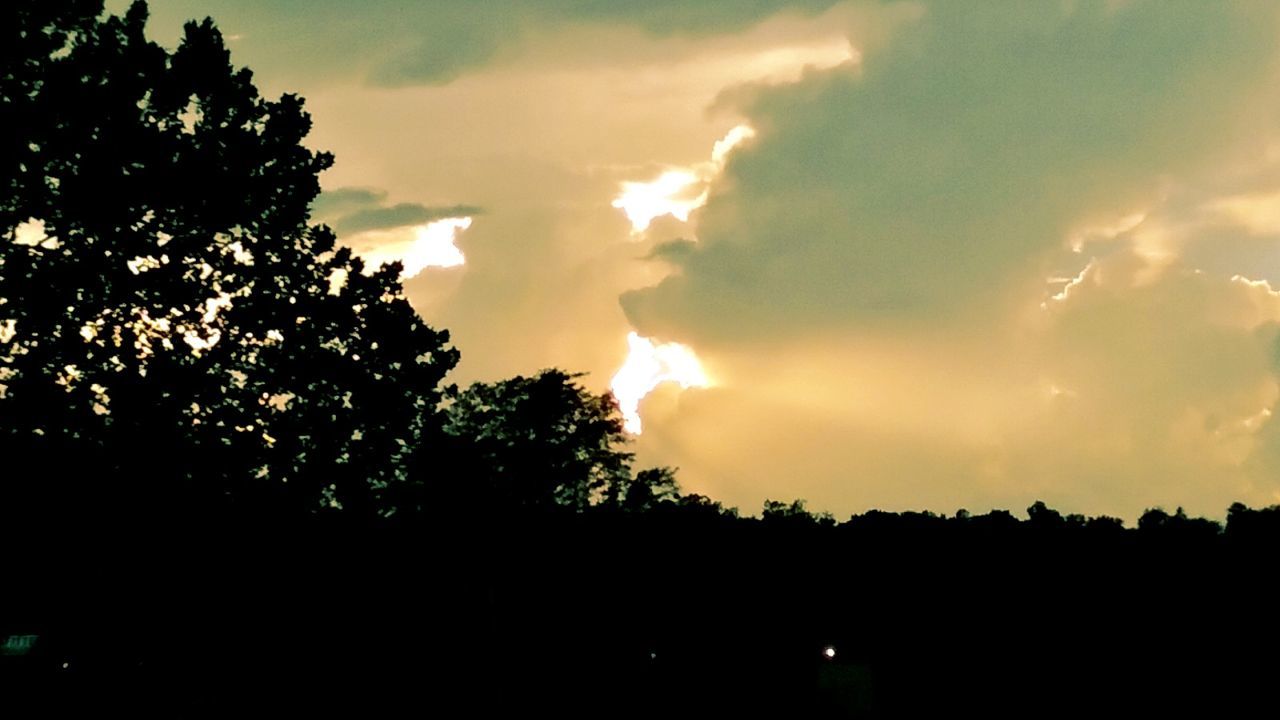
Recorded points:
(653,655)
(66,665)
(829,652)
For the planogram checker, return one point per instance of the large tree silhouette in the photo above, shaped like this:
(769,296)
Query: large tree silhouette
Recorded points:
(174,335)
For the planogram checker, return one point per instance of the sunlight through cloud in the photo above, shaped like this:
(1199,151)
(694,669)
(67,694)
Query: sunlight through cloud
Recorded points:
(418,247)
(679,191)
(668,195)
(647,366)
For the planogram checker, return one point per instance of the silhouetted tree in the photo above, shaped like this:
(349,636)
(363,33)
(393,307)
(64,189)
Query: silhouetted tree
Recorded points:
(776,512)
(1253,526)
(173,332)
(1157,522)
(642,492)
(994,522)
(1104,524)
(701,506)
(542,442)
(1044,518)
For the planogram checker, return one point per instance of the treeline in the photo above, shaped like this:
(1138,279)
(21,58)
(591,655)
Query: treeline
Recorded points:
(683,608)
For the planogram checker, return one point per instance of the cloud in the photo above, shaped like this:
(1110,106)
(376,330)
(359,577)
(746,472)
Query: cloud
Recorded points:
(543,146)
(677,191)
(399,215)
(1134,391)
(392,44)
(676,249)
(418,236)
(415,247)
(1160,390)
(869,285)
(649,365)
(449,39)
(915,187)
(338,202)
(351,210)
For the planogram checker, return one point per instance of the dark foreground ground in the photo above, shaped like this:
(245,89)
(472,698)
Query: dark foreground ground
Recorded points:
(614,617)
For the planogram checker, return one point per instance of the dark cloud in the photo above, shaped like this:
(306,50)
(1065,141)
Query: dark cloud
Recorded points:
(332,203)
(663,17)
(915,188)
(450,38)
(399,215)
(677,250)
(352,210)
(396,42)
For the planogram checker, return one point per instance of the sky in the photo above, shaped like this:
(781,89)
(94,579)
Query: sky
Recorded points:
(895,255)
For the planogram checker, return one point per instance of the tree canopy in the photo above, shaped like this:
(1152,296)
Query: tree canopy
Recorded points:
(541,442)
(172,328)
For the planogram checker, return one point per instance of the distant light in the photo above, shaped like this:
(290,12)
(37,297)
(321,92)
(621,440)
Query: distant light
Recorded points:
(829,652)
(66,665)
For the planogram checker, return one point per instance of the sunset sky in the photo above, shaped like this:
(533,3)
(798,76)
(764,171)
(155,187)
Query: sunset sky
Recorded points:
(898,255)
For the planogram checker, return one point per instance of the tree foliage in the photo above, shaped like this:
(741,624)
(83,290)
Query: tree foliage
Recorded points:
(172,329)
(645,491)
(794,514)
(541,442)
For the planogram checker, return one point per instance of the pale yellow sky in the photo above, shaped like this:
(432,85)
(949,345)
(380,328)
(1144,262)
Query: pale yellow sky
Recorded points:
(974,255)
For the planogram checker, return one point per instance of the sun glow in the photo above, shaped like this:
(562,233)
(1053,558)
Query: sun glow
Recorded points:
(418,247)
(678,191)
(647,366)
(668,195)
(720,151)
